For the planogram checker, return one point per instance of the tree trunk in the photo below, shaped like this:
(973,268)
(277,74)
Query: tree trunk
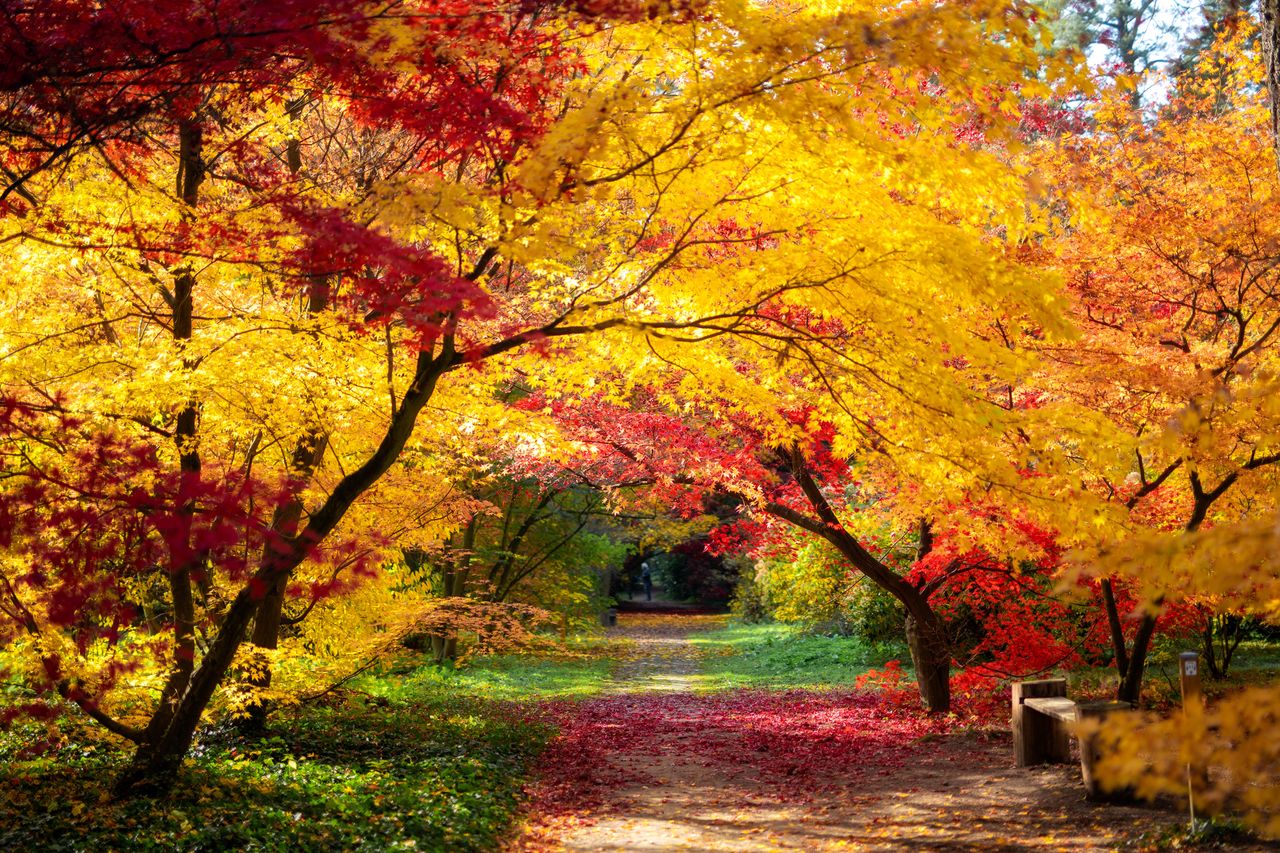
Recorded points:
(156,762)
(1210,658)
(1118,647)
(931,657)
(1224,631)
(190,177)
(1131,685)
(186,436)
(453,584)
(1271,56)
(443,649)
(1234,631)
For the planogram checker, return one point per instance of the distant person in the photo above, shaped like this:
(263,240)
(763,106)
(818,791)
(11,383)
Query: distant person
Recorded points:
(646,578)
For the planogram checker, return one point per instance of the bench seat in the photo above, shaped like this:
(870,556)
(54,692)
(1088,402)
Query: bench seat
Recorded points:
(1058,707)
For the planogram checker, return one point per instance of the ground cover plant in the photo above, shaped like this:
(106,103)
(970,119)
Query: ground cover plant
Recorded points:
(420,758)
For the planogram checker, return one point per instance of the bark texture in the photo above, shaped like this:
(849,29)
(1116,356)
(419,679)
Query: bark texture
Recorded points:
(1270,45)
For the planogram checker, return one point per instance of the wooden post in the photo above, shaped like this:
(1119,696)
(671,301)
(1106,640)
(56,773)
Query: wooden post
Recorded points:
(1038,739)
(1192,701)
(1089,752)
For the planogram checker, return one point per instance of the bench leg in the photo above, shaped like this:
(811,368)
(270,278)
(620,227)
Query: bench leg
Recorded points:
(1038,739)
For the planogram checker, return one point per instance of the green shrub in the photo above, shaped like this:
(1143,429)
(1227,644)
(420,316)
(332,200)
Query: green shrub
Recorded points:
(750,602)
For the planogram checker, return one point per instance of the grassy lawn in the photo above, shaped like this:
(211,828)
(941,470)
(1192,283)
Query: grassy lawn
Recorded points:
(1255,662)
(507,677)
(428,759)
(779,657)
(1258,657)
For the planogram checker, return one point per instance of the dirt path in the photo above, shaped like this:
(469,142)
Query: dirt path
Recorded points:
(655,766)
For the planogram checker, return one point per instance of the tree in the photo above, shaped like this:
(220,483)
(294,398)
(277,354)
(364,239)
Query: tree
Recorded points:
(99,106)
(1122,26)
(1176,319)
(1132,41)
(804,487)
(926,632)
(1158,439)
(1271,58)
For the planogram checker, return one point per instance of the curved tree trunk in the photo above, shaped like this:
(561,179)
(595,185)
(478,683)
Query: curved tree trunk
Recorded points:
(156,762)
(926,633)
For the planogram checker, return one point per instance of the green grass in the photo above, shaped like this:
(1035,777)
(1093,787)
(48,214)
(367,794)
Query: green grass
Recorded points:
(779,657)
(509,677)
(431,759)
(1255,662)
(1256,656)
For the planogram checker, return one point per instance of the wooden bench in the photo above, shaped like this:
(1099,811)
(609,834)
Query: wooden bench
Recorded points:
(1043,723)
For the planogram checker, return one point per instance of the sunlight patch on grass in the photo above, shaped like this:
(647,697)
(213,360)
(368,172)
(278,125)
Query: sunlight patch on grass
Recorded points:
(780,657)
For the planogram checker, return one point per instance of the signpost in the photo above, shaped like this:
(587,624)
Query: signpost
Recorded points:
(1189,681)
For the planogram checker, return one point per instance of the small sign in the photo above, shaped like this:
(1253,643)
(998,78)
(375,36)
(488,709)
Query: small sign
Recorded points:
(1188,667)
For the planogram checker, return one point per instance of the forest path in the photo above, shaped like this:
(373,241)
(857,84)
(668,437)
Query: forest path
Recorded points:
(653,765)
